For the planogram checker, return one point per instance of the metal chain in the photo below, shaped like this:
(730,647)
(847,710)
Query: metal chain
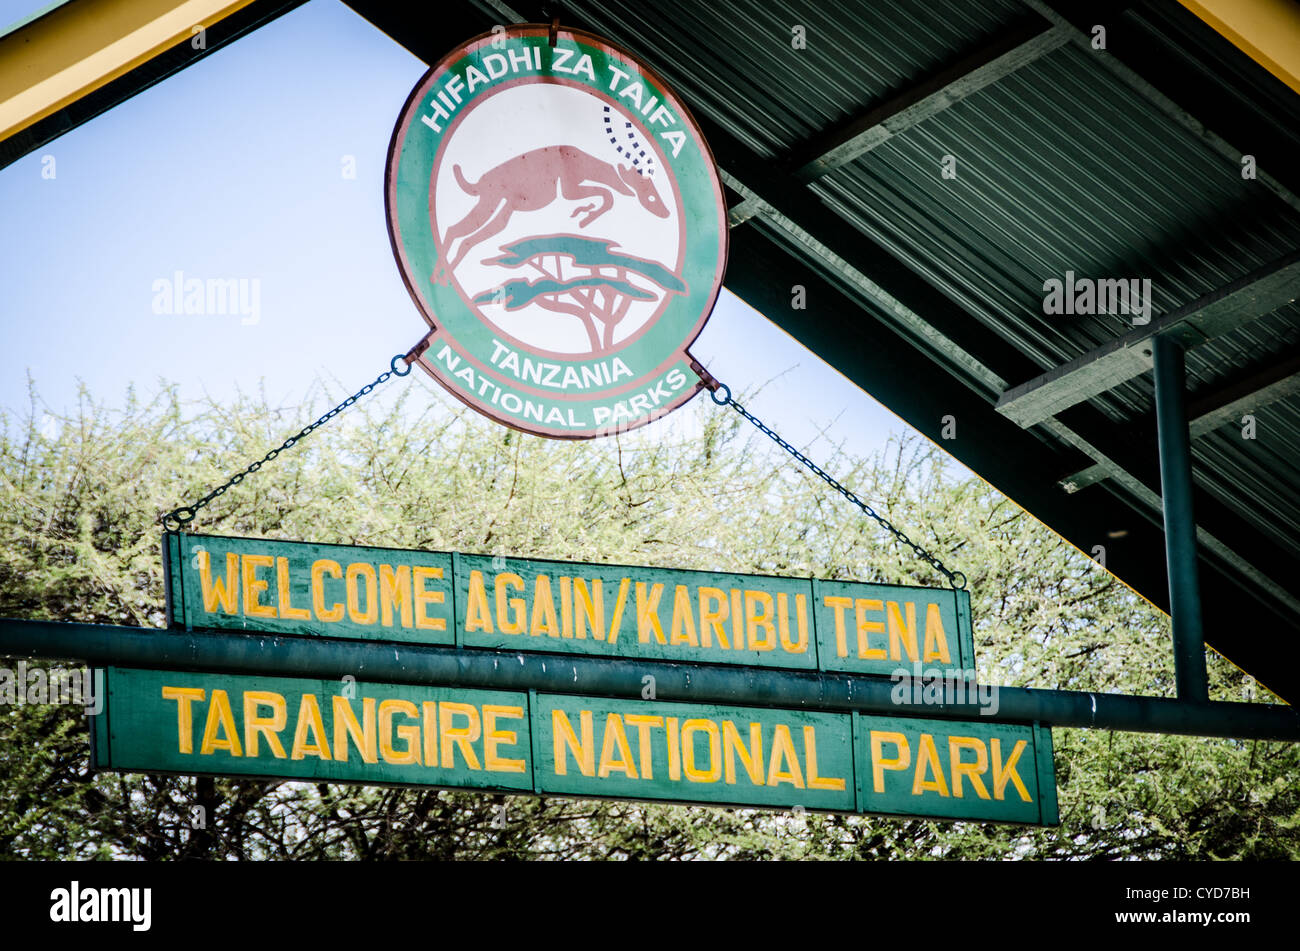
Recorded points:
(726,400)
(179,518)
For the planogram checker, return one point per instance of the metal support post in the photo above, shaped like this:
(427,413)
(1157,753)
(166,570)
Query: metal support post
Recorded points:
(1180,526)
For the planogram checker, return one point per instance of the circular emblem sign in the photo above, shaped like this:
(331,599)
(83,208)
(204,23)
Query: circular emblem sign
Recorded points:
(558,219)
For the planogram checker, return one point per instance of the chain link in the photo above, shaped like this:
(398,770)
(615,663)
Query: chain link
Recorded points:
(179,518)
(931,560)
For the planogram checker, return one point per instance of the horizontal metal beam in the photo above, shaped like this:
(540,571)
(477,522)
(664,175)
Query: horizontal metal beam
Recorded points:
(785,206)
(367,661)
(1122,473)
(1001,56)
(1084,477)
(1212,410)
(1003,454)
(1228,404)
(1260,292)
(1083,40)
(780,206)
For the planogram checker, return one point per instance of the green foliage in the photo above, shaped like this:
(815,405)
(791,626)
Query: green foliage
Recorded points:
(79,500)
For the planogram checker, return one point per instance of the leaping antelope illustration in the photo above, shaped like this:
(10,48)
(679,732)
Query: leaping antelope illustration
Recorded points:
(533,180)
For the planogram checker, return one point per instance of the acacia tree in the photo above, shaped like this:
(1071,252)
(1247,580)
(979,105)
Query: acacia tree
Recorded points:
(79,499)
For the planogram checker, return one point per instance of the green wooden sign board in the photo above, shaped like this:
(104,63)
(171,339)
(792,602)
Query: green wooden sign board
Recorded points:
(301,588)
(290,728)
(452,737)
(515,604)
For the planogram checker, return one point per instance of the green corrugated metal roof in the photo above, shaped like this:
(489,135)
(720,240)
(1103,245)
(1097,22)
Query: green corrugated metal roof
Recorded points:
(1063,165)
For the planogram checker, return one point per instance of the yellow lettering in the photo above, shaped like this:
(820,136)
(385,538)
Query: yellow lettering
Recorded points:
(647,613)
(928,758)
(184,696)
(361,569)
(1007,771)
(674,751)
(840,606)
(880,763)
(751,758)
(462,737)
(505,623)
(254,586)
(215,591)
(758,615)
(902,635)
(615,742)
(711,618)
(284,593)
(589,605)
(566,607)
(936,641)
(395,592)
(783,751)
(478,616)
(565,740)
(492,738)
(346,725)
(408,733)
(424,597)
(970,770)
(220,717)
(269,727)
(683,631)
(430,708)
(737,621)
(318,571)
(643,723)
(694,774)
(816,781)
(617,622)
(866,628)
(544,619)
(783,613)
(309,719)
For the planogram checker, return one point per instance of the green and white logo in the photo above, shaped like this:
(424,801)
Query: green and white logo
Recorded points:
(558,219)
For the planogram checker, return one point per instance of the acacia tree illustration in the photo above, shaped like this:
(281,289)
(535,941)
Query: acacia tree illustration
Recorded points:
(597,302)
(593,296)
(582,309)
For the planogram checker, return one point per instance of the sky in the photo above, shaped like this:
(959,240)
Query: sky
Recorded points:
(264,163)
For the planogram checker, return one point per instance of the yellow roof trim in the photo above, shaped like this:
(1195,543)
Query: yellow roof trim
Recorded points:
(79,47)
(1268,31)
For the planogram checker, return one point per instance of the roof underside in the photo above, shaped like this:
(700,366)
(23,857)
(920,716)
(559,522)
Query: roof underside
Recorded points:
(1108,163)
(928,291)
